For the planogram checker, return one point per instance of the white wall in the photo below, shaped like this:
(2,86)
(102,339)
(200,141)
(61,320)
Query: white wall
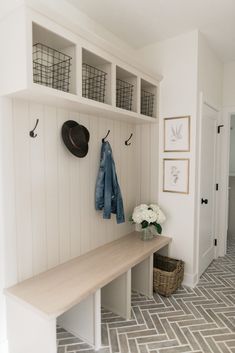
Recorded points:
(4,111)
(229,84)
(210,74)
(176,60)
(232,147)
(188,66)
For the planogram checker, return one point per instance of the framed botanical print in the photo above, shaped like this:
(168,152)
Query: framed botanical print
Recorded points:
(177,134)
(176,175)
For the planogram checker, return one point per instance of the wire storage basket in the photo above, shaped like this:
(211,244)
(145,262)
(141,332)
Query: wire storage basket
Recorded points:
(168,274)
(51,67)
(124,94)
(93,83)
(147,103)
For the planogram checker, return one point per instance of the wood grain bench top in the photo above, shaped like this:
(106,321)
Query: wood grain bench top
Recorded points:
(57,290)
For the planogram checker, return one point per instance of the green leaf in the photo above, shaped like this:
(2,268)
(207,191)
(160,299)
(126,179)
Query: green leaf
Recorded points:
(144,224)
(159,228)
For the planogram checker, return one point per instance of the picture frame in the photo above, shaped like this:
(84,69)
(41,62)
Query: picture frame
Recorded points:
(177,134)
(176,175)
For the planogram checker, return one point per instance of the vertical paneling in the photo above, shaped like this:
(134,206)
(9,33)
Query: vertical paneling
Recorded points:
(8,223)
(51,186)
(75,201)
(54,192)
(84,196)
(38,202)
(154,150)
(23,195)
(131,174)
(138,157)
(94,159)
(63,190)
(147,163)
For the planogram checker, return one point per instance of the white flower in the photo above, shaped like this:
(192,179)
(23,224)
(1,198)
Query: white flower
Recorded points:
(137,216)
(154,207)
(160,216)
(149,216)
(141,207)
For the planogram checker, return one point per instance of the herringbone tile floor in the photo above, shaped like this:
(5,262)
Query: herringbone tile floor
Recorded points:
(199,320)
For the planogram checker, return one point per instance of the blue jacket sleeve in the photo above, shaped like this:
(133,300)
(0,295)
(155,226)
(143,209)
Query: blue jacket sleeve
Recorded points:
(107,187)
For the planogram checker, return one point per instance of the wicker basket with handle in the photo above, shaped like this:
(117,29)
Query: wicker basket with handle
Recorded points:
(167,274)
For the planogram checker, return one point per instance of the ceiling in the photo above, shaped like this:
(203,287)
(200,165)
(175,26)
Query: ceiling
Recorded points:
(142,22)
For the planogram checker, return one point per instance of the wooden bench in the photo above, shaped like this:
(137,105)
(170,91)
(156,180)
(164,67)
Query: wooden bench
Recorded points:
(71,294)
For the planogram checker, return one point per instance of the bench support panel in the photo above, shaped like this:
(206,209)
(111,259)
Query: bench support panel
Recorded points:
(28,330)
(116,296)
(142,277)
(84,320)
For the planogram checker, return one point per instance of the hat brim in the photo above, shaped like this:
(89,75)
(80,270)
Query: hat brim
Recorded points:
(78,151)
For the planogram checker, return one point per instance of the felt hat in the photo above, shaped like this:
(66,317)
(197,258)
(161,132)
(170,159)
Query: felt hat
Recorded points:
(76,138)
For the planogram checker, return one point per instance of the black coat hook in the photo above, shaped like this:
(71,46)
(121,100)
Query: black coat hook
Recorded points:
(31,133)
(103,139)
(127,141)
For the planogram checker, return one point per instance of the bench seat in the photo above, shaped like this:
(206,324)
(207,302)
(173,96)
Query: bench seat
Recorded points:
(59,290)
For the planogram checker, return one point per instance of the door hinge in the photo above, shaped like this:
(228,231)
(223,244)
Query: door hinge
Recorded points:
(215,242)
(216,187)
(219,128)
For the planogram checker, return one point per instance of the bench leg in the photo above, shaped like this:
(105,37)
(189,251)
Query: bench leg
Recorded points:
(142,274)
(84,320)
(142,277)
(116,296)
(28,330)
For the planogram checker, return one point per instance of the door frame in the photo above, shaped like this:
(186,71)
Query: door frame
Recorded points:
(201,102)
(224,165)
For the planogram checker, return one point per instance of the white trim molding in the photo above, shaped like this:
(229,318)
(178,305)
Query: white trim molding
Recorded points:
(190,280)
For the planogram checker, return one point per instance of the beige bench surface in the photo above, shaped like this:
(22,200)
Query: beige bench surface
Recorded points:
(57,290)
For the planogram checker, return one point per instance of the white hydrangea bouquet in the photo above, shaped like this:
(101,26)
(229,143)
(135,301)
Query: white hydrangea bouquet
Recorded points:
(148,218)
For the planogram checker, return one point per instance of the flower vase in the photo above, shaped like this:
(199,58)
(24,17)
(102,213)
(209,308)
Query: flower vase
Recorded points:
(148,233)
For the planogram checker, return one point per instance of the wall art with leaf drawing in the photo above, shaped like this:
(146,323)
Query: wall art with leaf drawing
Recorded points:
(176,175)
(177,134)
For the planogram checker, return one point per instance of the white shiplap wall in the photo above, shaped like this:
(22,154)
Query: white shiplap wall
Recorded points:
(49,194)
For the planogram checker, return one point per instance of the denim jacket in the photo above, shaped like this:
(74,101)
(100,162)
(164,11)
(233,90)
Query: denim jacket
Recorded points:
(108,194)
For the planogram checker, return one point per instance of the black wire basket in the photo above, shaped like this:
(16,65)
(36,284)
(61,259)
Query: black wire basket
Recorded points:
(124,94)
(147,103)
(51,67)
(93,83)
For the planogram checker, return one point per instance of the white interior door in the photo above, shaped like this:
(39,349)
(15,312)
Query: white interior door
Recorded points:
(207,187)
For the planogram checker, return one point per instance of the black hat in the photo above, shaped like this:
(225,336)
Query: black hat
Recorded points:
(76,138)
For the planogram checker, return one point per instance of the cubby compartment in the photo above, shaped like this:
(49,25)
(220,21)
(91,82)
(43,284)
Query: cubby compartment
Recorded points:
(54,61)
(96,77)
(148,99)
(126,90)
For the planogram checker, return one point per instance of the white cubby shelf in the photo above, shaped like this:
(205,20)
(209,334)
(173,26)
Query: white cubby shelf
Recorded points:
(52,65)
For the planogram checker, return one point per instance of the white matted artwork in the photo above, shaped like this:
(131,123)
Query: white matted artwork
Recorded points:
(176,175)
(177,134)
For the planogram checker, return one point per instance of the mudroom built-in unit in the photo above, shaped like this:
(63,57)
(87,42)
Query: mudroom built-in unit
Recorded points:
(52,64)
(53,234)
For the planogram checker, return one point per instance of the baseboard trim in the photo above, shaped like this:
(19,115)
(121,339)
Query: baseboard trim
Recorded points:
(190,280)
(4,346)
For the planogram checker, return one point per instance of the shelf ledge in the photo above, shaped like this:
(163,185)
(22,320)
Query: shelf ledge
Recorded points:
(51,96)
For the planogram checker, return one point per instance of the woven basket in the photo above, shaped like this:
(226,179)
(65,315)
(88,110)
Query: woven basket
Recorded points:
(167,274)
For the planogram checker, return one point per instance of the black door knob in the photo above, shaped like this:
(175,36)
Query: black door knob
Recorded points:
(204,201)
